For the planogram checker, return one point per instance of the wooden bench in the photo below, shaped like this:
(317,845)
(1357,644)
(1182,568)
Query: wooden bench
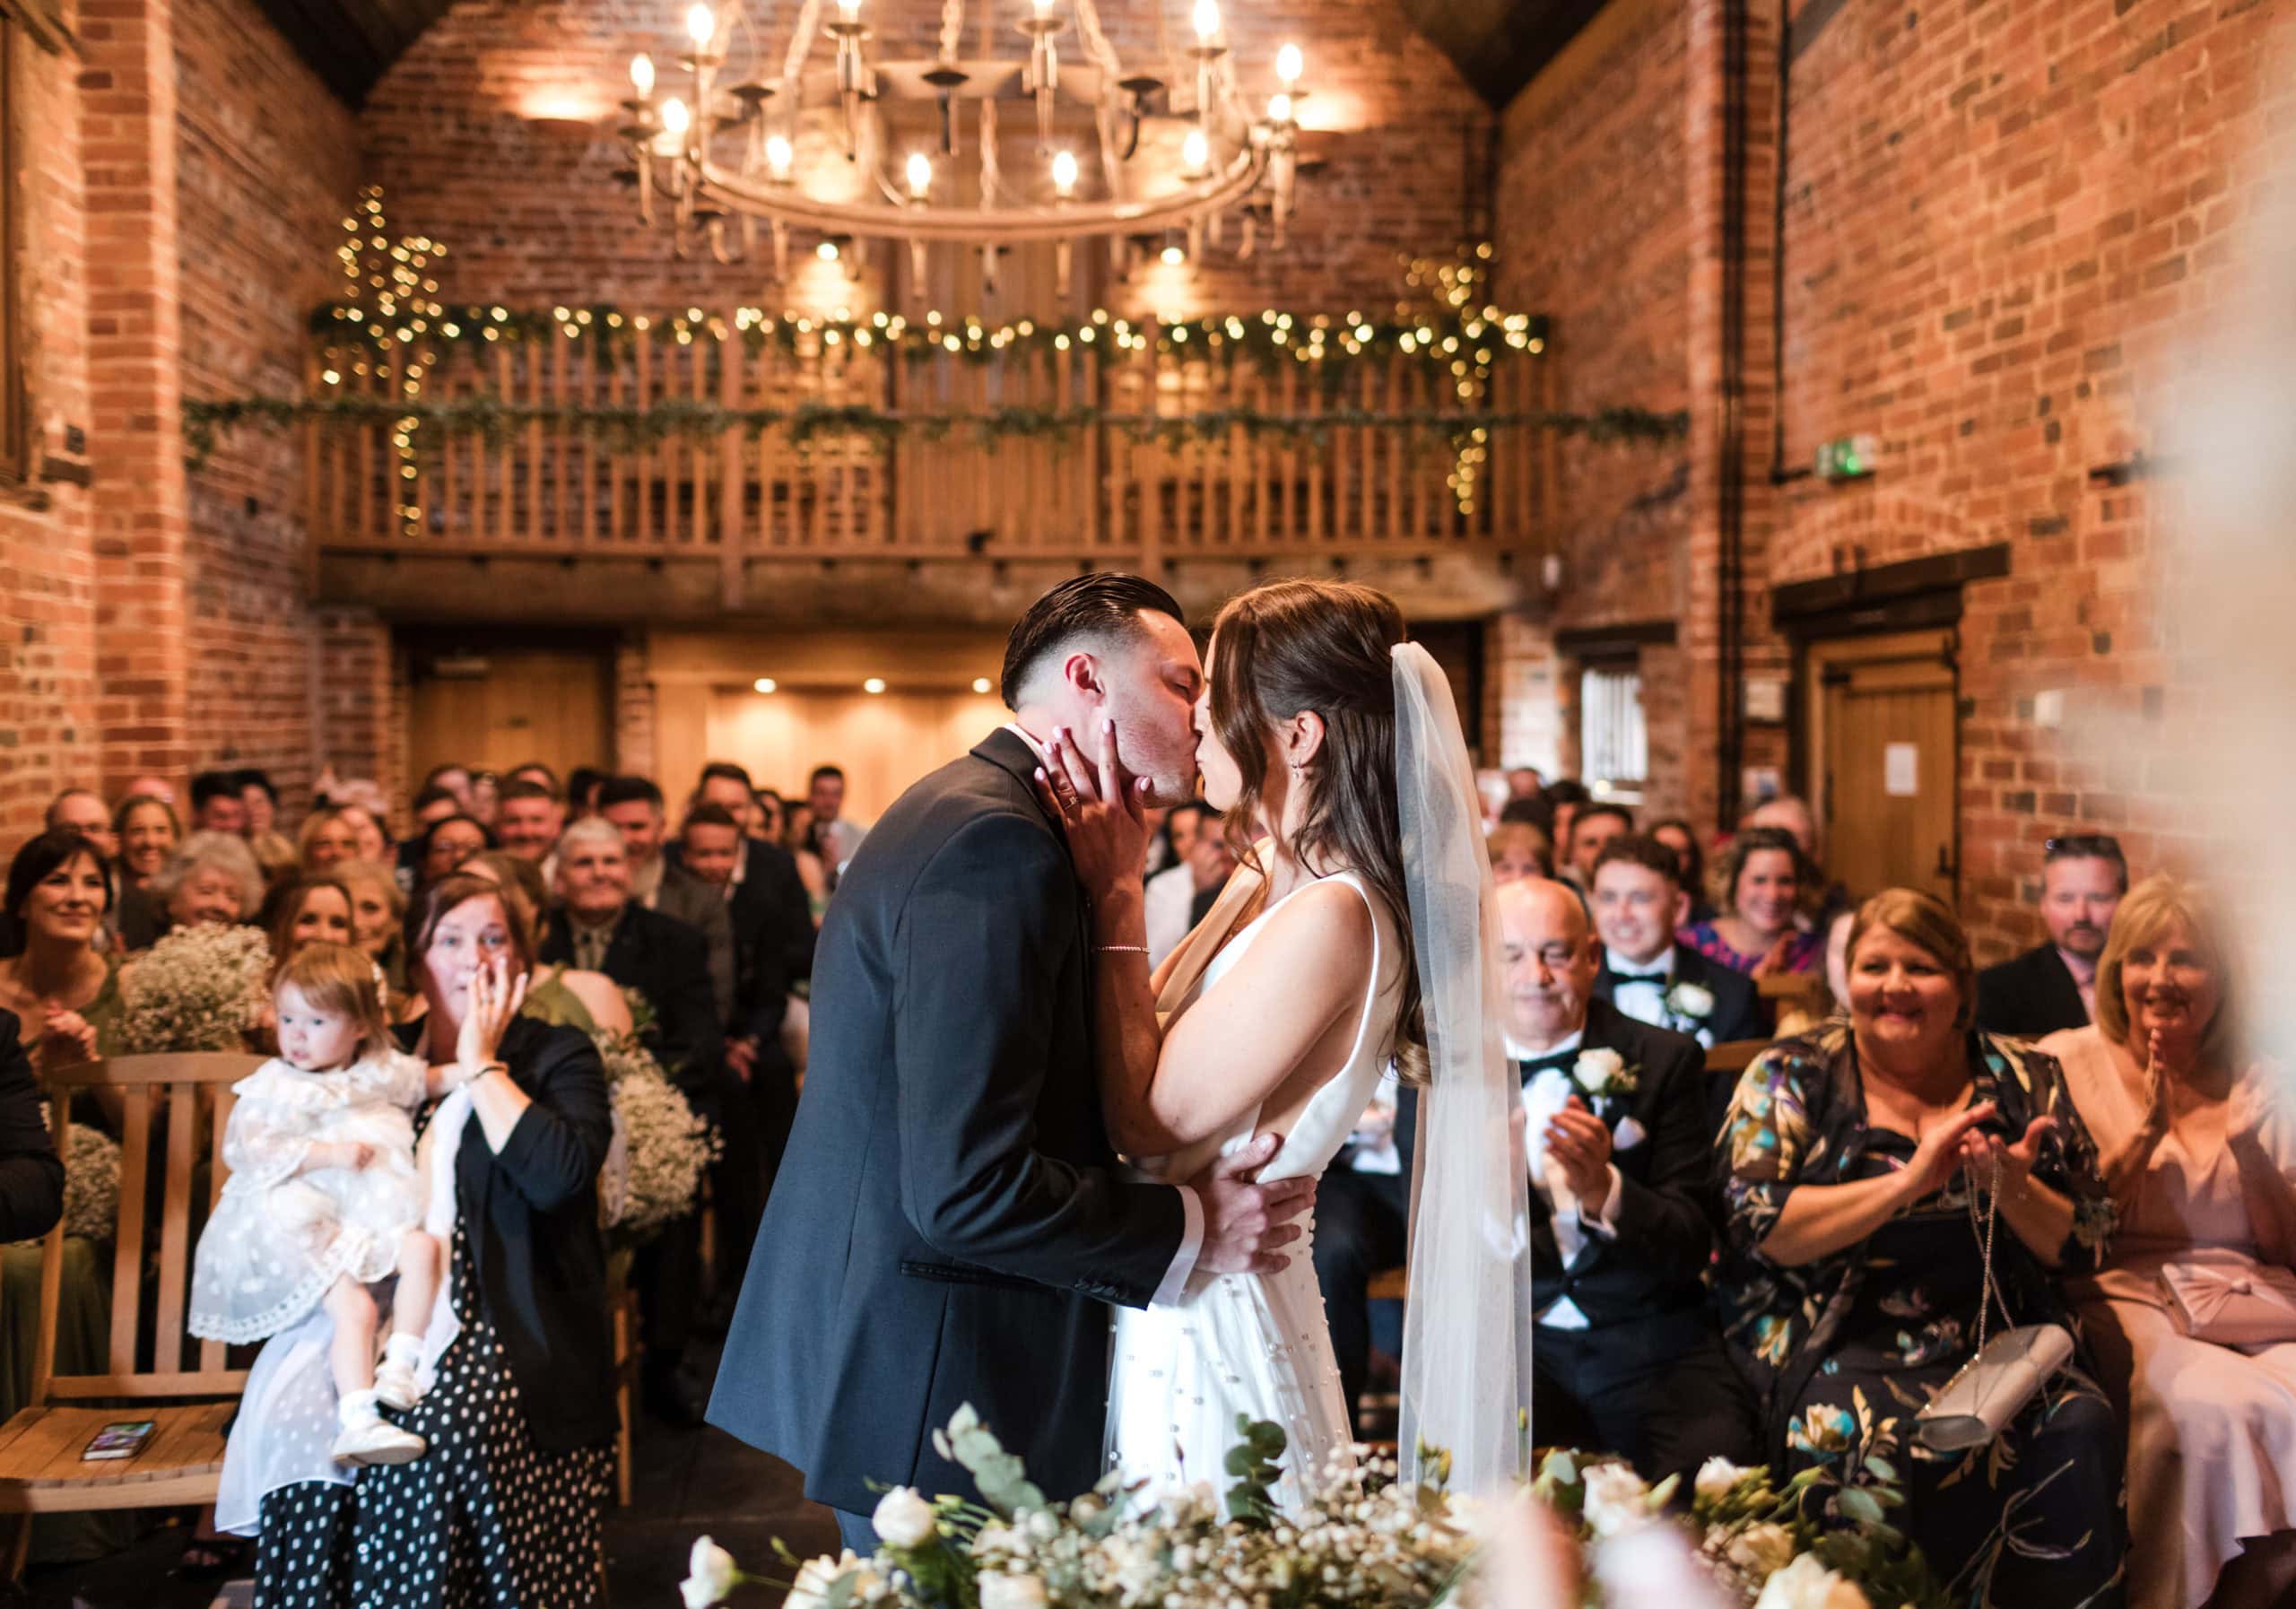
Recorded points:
(41,1471)
(1734,1056)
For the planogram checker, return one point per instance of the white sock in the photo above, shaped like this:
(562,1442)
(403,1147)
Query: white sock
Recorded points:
(404,1348)
(356,1408)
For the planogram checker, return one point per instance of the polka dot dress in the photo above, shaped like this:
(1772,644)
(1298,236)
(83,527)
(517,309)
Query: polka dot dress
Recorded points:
(483,1520)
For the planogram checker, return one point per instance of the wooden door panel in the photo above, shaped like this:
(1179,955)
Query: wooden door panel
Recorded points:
(546,704)
(1886,744)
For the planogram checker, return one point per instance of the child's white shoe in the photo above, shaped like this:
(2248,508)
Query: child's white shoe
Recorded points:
(376,1441)
(395,1386)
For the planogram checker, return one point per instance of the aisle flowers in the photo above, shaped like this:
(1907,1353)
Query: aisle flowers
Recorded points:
(1364,1540)
(198,988)
(653,1176)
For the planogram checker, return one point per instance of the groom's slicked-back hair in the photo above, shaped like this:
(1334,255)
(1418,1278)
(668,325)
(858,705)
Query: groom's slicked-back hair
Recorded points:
(1105,606)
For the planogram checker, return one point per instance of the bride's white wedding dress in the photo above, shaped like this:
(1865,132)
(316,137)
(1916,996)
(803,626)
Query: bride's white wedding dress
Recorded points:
(1255,1345)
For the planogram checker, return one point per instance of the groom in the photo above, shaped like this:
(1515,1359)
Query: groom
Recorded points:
(949,1219)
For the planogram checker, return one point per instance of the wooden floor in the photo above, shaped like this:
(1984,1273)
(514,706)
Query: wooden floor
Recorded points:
(688,1483)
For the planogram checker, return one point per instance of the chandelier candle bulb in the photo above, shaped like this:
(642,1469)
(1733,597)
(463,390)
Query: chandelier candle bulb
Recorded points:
(1196,150)
(1289,65)
(1279,108)
(1063,173)
(641,75)
(920,175)
(779,155)
(1207,19)
(700,25)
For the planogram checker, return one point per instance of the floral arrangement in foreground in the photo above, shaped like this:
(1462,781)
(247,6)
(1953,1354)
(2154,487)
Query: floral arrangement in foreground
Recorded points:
(1366,1540)
(653,1174)
(198,988)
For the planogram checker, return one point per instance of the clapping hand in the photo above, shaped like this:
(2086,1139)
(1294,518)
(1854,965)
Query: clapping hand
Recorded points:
(1579,1142)
(1103,809)
(2005,1167)
(67,1037)
(1939,1155)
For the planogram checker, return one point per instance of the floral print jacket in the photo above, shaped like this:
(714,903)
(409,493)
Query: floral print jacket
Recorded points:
(1798,1117)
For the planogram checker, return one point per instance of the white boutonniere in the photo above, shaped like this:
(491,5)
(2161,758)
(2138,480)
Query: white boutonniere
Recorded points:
(1604,1074)
(1691,1000)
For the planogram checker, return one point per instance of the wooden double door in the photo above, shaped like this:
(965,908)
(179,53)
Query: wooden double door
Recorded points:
(1884,759)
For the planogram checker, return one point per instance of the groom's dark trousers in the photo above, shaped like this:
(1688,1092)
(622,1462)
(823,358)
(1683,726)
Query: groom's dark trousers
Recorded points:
(948,1226)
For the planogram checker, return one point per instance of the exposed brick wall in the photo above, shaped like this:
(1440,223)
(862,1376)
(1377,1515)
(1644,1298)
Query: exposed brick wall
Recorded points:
(1522,718)
(266,167)
(361,712)
(49,735)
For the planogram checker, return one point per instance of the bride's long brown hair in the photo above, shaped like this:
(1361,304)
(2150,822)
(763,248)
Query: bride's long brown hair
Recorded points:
(1327,646)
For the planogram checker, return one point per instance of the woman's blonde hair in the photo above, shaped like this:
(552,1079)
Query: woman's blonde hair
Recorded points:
(2144,914)
(1927,921)
(340,978)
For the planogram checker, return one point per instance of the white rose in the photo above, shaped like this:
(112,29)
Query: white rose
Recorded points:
(815,1576)
(904,1519)
(1717,1478)
(1595,1069)
(711,1575)
(1616,1499)
(1692,1000)
(1807,1584)
(1760,1550)
(1012,1592)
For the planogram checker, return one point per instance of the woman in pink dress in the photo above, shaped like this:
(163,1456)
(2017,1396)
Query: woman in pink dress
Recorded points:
(2199,1146)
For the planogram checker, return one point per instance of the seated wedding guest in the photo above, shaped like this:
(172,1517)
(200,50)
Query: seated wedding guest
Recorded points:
(310,909)
(603,929)
(1171,895)
(325,838)
(838,835)
(216,804)
(1678,836)
(813,869)
(1758,884)
(506,1506)
(1628,1356)
(1591,827)
(1362,1208)
(768,816)
(84,813)
(150,787)
(1563,799)
(535,770)
(1862,1165)
(2053,985)
(1518,850)
(634,805)
(448,842)
(1636,899)
(486,795)
(1791,814)
(430,806)
(1213,859)
(1804,1014)
(582,785)
(148,833)
(212,877)
(454,778)
(370,839)
(63,989)
(1523,782)
(726,785)
(589,1000)
(2198,1143)
(377,912)
(31,1178)
(275,853)
(528,822)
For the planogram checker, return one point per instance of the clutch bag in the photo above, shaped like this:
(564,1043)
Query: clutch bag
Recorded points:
(2247,1305)
(1994,1387)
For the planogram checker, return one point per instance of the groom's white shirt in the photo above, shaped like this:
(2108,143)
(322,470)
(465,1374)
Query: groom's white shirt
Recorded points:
(1174,1283)
(1543,1097)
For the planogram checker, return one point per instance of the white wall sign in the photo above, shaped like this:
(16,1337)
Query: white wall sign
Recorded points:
(1900,770)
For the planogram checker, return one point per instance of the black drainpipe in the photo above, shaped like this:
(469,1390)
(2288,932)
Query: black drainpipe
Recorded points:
(1730,513)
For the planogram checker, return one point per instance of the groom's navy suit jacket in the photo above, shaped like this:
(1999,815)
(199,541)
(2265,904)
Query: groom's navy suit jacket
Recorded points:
(947,1223)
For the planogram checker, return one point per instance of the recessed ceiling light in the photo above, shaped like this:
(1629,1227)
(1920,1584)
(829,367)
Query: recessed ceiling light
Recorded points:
(873,684)
(765,684)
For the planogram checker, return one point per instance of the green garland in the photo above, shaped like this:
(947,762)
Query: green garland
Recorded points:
(624,429)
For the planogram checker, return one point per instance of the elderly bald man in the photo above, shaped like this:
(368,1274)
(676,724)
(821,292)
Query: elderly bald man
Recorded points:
(1628,1355)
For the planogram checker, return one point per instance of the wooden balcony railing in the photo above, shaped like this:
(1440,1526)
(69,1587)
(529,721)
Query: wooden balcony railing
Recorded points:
(539,452)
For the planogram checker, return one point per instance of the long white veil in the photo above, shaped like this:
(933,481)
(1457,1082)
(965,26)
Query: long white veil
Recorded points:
(1466,1337)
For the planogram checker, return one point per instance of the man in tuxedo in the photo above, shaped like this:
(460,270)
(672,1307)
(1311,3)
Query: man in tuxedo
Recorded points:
(2054,985)
(950,1218)
(1628,1356)
(634,805)
(603,929)
(1638,901)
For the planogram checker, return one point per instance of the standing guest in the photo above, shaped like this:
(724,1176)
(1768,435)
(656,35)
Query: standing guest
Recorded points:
(1591,827)
(31,1178)
(2198,1143)
(274,854)
(312,910)
(1169,901)
(837,837)
(1856,1161)
(454,778)
(528,822)
(1518,849)
(430,807)
(148,833)
(1523,782)
(448,842)
(506,1506)
(1622,1209)
(1677,835)
(763,871)
(327,838)
(582,785)
(216,805)
(1638,902)
(210,878)
(535,770)
(812,868)
(604,930)
(1563,799)
(2053,985)
(1758,884)
(377,912)
(727,786)
(768,816)
(61,987)
(634,805)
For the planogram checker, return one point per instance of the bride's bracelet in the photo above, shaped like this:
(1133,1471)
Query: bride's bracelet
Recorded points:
(1120,949)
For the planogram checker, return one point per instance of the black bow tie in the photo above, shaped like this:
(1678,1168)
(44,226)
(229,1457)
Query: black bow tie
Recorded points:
(1657,974)
(1560,1061)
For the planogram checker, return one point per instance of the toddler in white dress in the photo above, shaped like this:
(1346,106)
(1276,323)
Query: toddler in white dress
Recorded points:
(326,1198)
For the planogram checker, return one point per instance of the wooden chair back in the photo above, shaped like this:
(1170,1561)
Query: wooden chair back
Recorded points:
(153,1088)
(1734,1056)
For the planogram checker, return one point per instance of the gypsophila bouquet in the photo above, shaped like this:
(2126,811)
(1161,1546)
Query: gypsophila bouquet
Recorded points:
(653,1175)
(198,988)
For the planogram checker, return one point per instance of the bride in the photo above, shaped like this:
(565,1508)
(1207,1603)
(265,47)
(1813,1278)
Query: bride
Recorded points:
(1354,936)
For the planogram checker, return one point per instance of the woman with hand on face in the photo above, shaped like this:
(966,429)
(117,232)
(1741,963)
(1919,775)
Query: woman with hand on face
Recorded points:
(1860,1164)
(2199,1148)
(1758,882)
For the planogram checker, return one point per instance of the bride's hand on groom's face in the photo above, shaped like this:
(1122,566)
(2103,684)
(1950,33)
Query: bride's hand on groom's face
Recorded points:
(1247,1224)
(1101,805)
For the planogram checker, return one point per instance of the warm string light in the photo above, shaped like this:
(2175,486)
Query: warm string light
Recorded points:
(391,291)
